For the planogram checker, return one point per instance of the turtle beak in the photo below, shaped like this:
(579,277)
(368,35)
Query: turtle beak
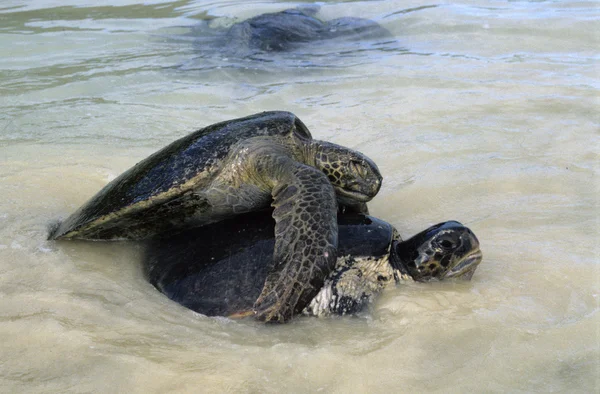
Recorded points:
(465,268)
(367,180)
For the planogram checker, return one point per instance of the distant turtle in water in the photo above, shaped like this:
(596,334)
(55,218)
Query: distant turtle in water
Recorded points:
(239,166)
(220,269)
(286,30)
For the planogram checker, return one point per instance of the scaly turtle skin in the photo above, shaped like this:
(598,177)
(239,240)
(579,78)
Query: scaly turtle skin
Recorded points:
(219,270)
(285,30)
(238,166)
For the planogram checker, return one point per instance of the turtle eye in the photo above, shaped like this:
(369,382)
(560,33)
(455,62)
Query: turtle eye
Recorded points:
(358,168)
(447,242)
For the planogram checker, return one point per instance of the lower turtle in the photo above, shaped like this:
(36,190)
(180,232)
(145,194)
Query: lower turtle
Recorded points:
(219,270)
(237,166)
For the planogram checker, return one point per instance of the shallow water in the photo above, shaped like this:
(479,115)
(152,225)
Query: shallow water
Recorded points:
(482,111)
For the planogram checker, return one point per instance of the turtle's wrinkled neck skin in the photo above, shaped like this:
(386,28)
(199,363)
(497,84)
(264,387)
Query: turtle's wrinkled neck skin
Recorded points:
(353,285)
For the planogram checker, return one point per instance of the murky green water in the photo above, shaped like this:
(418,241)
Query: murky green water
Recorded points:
(481,111)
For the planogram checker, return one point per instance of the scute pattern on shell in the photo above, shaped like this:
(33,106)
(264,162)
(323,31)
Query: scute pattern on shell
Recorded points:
(187,164)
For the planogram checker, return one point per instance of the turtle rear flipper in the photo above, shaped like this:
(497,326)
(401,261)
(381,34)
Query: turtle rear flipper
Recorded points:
(306,242)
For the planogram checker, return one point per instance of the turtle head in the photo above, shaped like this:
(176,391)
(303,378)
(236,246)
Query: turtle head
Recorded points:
(446,250)
(353,175)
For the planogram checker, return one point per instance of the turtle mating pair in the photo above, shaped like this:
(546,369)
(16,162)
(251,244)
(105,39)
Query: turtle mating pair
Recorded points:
(223,262)
(238,166)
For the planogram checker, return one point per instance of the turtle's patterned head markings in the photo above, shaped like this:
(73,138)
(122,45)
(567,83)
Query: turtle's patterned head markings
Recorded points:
(446,250)
(354,176)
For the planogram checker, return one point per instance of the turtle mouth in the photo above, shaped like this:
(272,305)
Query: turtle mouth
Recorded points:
(353,195)
(355,192)
(465,268)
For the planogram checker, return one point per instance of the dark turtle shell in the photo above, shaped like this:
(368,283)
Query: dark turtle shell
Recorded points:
(157,191)
(220,269)
(285,30)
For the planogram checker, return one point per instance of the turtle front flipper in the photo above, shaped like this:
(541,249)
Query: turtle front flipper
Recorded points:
(305,242)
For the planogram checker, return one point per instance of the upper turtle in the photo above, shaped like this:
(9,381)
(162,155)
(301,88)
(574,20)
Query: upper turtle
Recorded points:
(238,166)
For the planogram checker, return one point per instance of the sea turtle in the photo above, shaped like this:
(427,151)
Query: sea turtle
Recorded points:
(285,30)
(219,270)
(239,166)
